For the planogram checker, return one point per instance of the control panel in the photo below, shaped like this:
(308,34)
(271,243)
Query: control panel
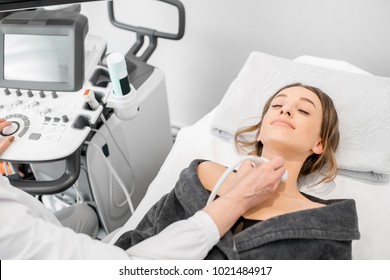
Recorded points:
(51,125)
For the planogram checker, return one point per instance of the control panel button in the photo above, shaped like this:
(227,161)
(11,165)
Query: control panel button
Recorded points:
(11,129)
(17,102)
(33,104)
(35,136)
(65,118)
(45,110)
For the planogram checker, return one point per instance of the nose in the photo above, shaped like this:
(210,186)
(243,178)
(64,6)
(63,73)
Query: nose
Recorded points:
(285,110)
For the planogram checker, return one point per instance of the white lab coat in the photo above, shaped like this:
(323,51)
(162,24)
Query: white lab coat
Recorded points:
(28,230)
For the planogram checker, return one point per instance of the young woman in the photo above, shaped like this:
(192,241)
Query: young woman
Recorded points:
(299,123)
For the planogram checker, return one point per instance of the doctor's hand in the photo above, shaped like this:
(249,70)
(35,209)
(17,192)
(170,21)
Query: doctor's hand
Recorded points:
(251,186)
(255,184)
(5,142)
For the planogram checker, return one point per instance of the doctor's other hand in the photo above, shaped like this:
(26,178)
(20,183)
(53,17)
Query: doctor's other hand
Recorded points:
(253,185)
(5,142)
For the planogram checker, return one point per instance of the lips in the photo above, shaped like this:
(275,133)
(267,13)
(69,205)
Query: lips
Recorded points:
(283,122)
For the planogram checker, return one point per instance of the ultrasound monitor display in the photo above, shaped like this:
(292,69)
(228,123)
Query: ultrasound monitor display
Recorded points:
(36,58)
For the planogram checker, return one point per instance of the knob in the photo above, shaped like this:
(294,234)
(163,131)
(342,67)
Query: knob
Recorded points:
(65,118)
(11,129)
(18,92)
(42,94)
(45,110)
(29,93)
(33,104)
(54,94)
(7,92)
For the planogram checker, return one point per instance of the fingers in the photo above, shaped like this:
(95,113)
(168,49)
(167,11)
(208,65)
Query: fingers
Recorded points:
(4,123)
(280,172)
(245,167)
(275,164)
(5,143)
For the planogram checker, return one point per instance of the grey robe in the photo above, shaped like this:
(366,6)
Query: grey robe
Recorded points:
(321,233)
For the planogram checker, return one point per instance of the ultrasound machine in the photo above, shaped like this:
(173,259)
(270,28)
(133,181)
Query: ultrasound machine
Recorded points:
(81,141)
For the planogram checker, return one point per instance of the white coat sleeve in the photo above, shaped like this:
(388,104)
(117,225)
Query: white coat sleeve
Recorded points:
(28,230)
(189,239)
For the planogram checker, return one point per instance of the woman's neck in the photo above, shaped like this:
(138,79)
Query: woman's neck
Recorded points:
(293,166)
(286,198)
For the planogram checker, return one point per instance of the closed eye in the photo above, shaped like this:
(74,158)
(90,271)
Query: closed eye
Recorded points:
(276,106)
(303,112)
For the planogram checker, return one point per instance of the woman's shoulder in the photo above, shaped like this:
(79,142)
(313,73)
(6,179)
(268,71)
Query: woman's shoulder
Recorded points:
(210,172)
(211,166)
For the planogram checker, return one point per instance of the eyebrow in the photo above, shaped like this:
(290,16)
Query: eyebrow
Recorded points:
(302,99)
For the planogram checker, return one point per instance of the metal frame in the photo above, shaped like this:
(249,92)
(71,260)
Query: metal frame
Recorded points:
(152,34)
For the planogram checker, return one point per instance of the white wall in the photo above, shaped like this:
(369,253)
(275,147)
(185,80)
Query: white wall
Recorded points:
(221,33)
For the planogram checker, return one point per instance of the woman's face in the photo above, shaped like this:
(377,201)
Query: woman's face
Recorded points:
(292,124)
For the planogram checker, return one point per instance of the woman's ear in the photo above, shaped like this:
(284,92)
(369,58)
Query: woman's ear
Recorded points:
(318,148)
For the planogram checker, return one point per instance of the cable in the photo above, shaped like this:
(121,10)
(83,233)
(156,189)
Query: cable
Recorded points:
(116,176)
(104,120)
(79,198)
(11,165)
(110,179)
(113,172)
(116,144)
(5,165)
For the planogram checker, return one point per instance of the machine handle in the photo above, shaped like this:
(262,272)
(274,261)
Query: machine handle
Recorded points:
(68,178)
(151,33)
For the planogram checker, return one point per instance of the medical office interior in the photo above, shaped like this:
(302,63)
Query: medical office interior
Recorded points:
(124,153)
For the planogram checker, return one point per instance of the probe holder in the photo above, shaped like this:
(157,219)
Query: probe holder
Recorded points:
(126,106)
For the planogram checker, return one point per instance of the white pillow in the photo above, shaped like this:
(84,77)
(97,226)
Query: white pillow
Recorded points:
(362,102)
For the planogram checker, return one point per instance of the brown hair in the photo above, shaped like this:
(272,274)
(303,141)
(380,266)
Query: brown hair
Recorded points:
(329,133)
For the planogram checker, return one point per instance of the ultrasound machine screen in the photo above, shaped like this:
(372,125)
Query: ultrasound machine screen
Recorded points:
(21,48)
